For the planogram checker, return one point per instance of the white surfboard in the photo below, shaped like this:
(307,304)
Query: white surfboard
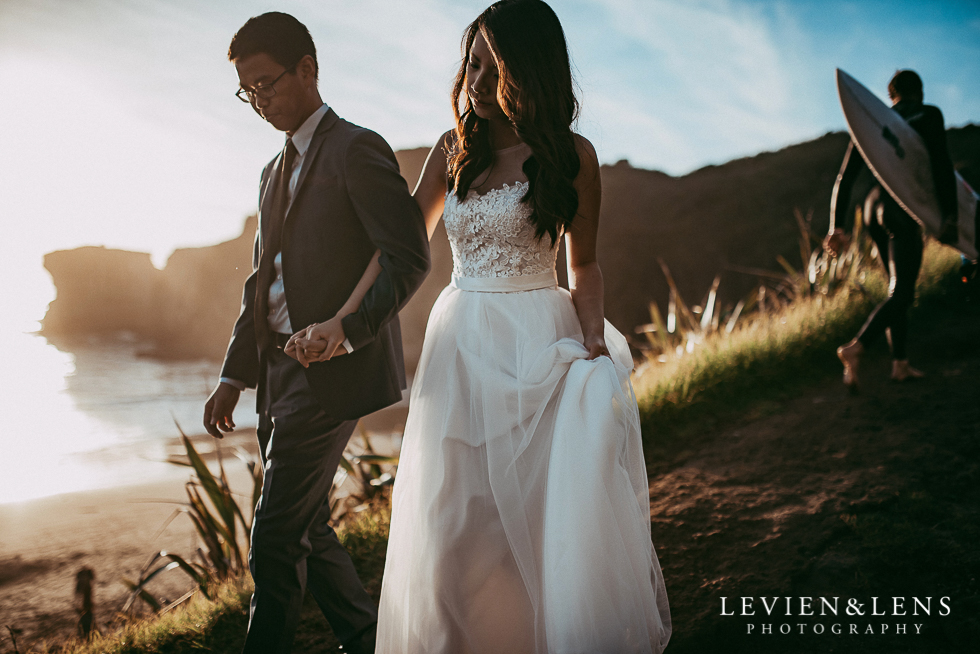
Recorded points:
(898,157)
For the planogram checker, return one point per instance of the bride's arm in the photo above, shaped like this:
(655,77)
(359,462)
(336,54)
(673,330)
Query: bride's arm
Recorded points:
(367,279)
(430,192)
(321,341)
(584,276)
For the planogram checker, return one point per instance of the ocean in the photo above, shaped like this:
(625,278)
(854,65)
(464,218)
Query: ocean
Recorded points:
(91,414)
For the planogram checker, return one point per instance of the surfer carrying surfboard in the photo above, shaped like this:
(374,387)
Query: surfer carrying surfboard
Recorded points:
(897,235)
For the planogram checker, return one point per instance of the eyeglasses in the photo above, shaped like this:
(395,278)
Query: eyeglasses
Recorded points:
(265,91)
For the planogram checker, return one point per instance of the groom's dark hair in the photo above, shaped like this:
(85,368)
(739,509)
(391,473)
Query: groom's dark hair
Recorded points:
(278,35)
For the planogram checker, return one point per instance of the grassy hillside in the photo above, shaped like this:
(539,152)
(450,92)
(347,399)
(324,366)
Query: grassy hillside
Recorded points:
(769,480)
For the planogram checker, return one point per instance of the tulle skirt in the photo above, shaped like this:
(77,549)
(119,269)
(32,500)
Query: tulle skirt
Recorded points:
(520,511)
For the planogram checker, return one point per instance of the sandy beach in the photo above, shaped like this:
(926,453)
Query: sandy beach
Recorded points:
(45,542)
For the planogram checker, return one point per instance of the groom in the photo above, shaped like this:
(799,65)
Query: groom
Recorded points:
(327,202)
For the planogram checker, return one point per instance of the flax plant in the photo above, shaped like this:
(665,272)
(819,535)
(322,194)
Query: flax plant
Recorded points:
(790,318)
(219,521)
(368,473)
(685,327)
(773,347)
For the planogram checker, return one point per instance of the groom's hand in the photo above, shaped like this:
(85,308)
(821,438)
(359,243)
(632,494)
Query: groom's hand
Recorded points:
(322,341)
(218,409)
(302,349)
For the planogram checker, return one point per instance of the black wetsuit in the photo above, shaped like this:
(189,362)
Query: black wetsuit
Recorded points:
(897,235)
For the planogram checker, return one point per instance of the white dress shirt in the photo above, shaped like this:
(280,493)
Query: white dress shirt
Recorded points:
(278,313)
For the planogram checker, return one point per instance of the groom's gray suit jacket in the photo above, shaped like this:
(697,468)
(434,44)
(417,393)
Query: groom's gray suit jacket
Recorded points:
(349,201)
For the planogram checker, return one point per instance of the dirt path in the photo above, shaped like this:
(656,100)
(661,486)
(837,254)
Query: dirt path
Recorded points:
(825,494)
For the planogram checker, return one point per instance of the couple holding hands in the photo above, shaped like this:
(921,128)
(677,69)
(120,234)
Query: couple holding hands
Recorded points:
(520,513)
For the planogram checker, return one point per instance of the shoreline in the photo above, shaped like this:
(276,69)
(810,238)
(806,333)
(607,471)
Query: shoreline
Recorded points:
(136,464)
(386,422)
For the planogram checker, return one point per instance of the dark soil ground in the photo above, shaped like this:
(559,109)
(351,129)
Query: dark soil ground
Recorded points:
(816,492)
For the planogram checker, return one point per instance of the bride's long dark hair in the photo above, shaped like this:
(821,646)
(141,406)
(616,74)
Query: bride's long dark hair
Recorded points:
(536,94)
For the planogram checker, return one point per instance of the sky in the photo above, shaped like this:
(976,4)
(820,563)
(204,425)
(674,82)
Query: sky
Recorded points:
(119,126)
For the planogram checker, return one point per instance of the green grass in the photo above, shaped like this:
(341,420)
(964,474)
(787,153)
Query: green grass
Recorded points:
(365,535)
(768,356)
(911,527)
(200,625)
(218,625)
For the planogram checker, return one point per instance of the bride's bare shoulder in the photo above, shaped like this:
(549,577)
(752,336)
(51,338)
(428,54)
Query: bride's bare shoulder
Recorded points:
(587,157)
(431,187)
(440,154)
(447,143)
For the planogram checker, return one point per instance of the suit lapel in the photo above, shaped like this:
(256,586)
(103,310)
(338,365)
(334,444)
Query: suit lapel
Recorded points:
(319,136)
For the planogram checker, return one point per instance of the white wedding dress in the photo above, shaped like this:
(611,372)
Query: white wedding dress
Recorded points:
(520,512)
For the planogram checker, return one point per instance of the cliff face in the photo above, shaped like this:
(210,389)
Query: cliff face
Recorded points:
(186,310)
(100,290)
(736,214)
(739,214)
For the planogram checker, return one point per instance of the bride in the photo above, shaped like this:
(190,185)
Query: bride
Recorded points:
(520,514)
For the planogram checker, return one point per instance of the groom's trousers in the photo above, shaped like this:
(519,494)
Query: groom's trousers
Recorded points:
(293,545)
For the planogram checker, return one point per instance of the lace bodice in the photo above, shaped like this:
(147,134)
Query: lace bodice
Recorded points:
(491,235)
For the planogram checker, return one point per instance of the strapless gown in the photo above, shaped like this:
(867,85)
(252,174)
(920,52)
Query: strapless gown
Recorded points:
(520,511)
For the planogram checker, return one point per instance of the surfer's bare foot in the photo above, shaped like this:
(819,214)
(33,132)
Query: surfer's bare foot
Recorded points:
(850,356)
(901,371)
